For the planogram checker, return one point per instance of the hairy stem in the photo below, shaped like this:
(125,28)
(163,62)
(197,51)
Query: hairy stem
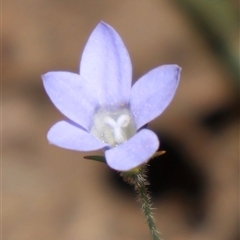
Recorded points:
(138,180)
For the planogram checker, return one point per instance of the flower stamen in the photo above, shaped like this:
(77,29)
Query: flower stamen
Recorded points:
(113,126)
(122,122)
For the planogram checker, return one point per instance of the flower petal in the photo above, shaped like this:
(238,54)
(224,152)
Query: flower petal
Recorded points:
(70,93)
(70,136)
(106,64)
(136,151)
(153,92)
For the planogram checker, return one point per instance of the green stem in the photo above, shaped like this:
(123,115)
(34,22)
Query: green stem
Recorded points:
(138,180)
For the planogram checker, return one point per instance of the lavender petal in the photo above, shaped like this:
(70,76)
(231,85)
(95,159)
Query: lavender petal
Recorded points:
(106,64)
(136,151)
(70,136)
(153,92)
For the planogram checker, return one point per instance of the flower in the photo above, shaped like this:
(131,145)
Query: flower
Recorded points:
(103,111)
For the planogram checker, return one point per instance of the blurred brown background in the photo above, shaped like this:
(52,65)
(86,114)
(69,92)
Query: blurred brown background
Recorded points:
(53,194)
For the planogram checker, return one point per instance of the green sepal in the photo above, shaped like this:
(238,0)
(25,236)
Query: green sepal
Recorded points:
(97,158)
(157,154)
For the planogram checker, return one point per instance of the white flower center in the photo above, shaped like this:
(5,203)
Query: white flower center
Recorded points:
(113,126)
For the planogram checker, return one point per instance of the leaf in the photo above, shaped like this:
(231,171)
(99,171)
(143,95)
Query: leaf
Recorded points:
(97,158)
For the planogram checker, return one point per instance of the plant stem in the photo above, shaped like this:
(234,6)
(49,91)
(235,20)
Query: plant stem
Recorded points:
(138,180)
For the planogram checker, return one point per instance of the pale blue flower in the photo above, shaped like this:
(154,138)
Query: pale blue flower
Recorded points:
(103,111)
